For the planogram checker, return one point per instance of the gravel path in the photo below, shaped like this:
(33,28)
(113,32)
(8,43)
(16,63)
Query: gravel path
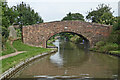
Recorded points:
(12,54)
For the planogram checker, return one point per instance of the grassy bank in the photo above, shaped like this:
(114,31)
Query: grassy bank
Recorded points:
(50,40)
(31,51)
(115,52)
(106,47)
(49,44)
(110,44)
(8,49)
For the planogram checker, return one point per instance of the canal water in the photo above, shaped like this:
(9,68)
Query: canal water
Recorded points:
(71,62)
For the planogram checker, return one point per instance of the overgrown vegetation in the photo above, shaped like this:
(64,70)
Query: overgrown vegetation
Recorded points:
(105,47)
(8,49)
(111,45)
(22,14)
(103,15)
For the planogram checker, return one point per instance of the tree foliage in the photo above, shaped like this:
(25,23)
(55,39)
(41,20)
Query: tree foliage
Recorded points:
(71,16)
(5,20)
(116,25)
(102,15)
(22,14)
(107,18)
(74,16)
(26,15)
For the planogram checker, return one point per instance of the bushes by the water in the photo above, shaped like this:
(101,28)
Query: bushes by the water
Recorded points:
(109,47)
(105,47)
(111,44)
(100,43)
(114,37)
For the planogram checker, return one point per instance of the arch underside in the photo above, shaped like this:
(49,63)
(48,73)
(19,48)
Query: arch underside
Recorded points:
(81,36)
(85,37)
(67,32)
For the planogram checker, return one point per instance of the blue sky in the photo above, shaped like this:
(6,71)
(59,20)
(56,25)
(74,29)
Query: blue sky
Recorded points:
(55,10)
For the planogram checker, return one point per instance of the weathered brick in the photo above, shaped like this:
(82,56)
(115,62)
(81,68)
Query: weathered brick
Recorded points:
(38,34)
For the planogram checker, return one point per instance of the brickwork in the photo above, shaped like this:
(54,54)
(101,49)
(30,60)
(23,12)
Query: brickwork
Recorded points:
(38,34)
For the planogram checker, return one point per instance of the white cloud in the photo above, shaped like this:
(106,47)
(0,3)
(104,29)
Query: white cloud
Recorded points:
(52,10)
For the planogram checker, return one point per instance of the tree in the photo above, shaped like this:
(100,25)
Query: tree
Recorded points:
(102,15)
(107,18)
(116,25)
(71,16)
(5,22)
(26,15)
(5,19)
(21,15)
(8,18)
(74,16)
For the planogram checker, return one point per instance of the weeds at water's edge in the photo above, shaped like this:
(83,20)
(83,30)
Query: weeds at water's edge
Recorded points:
(107,48)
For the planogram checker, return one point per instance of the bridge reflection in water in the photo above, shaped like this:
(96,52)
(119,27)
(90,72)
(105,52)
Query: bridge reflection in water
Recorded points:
(72,61)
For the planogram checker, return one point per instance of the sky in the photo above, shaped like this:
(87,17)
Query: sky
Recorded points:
(55,10)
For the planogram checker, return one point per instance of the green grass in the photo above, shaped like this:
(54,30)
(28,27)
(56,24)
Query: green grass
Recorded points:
(23,47)
(8,49)
(31,51)
(115,52)
(50,44)
(109,47)
(50,40)
(106,47)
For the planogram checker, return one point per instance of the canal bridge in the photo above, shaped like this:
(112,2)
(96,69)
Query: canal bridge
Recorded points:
(38,34)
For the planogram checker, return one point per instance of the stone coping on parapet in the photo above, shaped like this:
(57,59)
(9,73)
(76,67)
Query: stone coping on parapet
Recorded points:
(91,23)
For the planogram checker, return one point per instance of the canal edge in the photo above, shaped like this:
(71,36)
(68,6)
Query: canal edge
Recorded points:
(107,53)
(12,71)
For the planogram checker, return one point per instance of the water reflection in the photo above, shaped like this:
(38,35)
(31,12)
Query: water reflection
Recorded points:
(72,60)
(69,54)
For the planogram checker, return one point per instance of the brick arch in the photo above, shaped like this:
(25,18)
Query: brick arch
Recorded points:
(67,32)
(38,34)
